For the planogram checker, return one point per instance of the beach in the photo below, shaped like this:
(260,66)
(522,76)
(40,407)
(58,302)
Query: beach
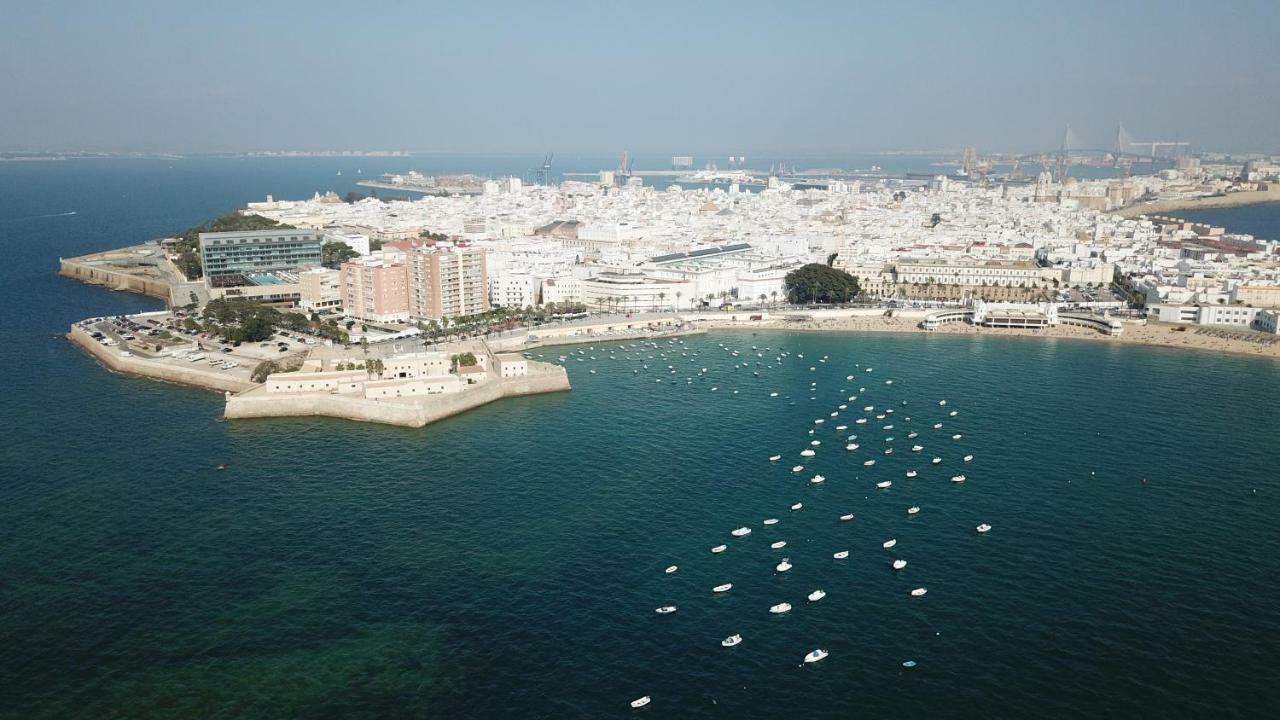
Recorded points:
(1212,339)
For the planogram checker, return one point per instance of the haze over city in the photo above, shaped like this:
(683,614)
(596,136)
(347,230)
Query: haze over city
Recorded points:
(663,77)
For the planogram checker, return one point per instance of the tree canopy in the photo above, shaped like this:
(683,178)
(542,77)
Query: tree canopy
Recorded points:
(333,254)
(817,283)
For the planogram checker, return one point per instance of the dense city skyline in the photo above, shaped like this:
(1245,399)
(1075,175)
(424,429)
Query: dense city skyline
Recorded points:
(662,78)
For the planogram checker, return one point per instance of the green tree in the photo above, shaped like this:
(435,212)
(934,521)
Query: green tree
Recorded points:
(333,254)
(817,283)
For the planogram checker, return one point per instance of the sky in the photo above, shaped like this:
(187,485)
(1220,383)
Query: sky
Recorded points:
(652,77)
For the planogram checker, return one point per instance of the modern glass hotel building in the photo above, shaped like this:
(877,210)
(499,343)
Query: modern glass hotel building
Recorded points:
(258,252)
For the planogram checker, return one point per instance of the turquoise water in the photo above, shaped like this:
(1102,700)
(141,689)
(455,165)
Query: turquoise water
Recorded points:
(506,563)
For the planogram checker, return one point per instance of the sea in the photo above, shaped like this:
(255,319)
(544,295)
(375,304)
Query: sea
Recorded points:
(508,562)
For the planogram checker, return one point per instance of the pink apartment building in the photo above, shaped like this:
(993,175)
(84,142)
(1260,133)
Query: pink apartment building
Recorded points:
(375,289)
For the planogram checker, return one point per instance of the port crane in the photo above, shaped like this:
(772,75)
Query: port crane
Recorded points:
(543,176)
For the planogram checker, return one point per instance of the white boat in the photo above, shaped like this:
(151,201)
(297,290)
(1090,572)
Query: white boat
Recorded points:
(851,447)
(731,640)
(819,421)
(869,463)
(741,532)
(666,609)
(887,427)
(912,435)
(968,458)
(844,407)
(816,595)
(869,408)
(775,458)
(942,402)
(918,592)
(797,506)
(817,479)
(984,529)
(846,517)
(953,413)
(899,564)
(888,382)
(913,510)
(641,702)
(917,448)
(722,588)
(937,426)
(815,443)
(835,413)
(860,421)
(719,549)
(841,428)
(888,451)
(957,478)
(807,453)
(778,545)
(771,521)
(884,484)
(798,468)
(672,569)
(783,566)
(780,608)
(773,394)
(911,473)
(889,543)
(841,555)
(957,436)
(815,656)
(937,460)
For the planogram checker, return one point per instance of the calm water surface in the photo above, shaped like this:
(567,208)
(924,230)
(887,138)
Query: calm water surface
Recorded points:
(506,563)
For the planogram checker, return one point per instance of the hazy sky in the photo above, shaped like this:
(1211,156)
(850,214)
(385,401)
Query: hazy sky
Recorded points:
(649,76)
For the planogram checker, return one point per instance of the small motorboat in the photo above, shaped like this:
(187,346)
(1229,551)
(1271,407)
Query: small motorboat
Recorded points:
(719,549)
(841,428)
(953,413)
(911,473)
(869,408)
(888,451)
(797,506)
(942,402)
(968,458)
(883,484)
(835,413)
(807,453)
(957,436)
(666,609)
(819,421)
(773,394)
(887,427)
(860,421)
(771,521)
(815,443)
(888,382)
(899,564)
(957,478)
(983,529)
(889,543)
(783,566)
(780,608)
(912,435)
(851,447)
(775,458)
(841,555)
(913,510)
(846,517)
(815,656)
(817,479)
(798,468)
(918,592)
(816,595)
(741,532)
(937,426)
(844,407)
(869,463)
(731,640)
(641,702)
(672,569)
(937,460)
(722,588)
(778,545)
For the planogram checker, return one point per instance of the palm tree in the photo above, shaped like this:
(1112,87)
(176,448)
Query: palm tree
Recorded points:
(678,294)
(763,297)
(774,294)
(662,299)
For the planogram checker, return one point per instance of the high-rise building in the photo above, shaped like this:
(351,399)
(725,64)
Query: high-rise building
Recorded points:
(375,289)
(447,282)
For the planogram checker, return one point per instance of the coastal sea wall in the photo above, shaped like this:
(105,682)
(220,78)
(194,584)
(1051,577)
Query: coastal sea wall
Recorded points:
(193,376)
(1238,199)
(114,279)
(417,412)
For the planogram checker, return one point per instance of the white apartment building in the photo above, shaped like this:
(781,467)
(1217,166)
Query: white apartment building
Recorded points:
(633,292)
(320,290)
(356,241)
(516,289)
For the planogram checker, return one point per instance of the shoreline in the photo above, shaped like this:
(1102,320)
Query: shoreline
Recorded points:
(1158,335)
(1230,200)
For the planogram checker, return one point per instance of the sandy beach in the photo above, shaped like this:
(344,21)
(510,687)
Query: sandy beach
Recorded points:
(1155,334)
(1229,200)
